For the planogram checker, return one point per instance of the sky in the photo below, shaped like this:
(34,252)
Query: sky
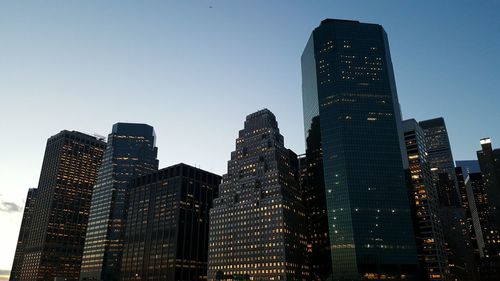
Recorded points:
(195,69)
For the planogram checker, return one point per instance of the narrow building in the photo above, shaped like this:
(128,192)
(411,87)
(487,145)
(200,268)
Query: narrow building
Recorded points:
(24,233)
(427,222)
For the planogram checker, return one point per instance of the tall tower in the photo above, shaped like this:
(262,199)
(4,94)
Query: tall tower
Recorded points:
(489,161)
(424,197)
(257,223)
(61,211)
(441,161)
(130,152)
(457,234)
(24,233)
(348,87)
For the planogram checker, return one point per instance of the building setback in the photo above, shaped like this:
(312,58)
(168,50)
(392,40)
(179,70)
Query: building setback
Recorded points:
(60,214)
(257,224)
(349,91)
(166,236)
(427,225)
(24,232)
(130,153)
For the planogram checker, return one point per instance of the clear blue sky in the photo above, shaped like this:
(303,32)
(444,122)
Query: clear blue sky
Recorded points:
(195,72)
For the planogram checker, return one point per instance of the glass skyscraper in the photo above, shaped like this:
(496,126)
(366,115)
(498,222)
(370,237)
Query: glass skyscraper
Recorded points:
(348,82)
(424,198)
(457,234)
(130,152)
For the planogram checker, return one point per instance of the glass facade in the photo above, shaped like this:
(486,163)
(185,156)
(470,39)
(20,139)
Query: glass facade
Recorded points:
(424,198)
(130,152)
(348,87)
(257,224)
(166,236)
(459,248)
(61,211)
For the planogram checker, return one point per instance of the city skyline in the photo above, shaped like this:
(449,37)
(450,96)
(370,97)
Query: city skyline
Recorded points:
(257,91)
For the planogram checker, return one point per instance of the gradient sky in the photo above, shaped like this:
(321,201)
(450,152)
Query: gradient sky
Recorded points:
(195,69)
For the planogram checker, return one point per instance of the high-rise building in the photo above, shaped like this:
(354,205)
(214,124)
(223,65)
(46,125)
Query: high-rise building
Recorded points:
(24,232)
(440,160)
(489,161)
(60,214)
(166,236)
(348,83)
(257,223)
(459,246)
(478,210)
(427,222)
(130,153)
(314,198)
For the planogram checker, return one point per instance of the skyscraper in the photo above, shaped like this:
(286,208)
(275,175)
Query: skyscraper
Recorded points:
(348,82)
(441,160)
(24,232)
(130,152)
(427,222)
(166,236)
(489,161)
(61,211)
(459,246)
(313,190)
(257,223)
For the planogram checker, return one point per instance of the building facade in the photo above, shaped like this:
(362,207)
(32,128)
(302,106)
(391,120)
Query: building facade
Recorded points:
(24,232)
(348,84)
(423,195)
(60,214)
(130,153)
(489,162)
(314,198)
(257,224)
(166,237)
(459,248)
(440,160)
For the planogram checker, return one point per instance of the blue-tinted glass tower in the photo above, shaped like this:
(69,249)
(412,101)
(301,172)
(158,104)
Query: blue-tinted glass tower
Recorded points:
(349,89)
(130,153)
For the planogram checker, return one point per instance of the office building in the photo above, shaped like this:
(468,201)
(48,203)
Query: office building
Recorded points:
(130,153)
(423,195)
(489,162)
(459,247)
(166,236)
(314,198)
(348,83)
(24,232)
(257,224)
(61,211)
